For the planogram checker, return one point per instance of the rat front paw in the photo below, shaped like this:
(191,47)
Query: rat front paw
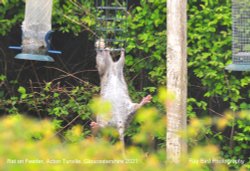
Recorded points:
(146,99)
(94,125)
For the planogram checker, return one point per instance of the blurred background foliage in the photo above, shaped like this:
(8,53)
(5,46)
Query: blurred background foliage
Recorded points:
(30,144)
(62,91)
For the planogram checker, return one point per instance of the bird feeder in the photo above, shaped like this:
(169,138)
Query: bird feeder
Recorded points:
(36,30)
(241,36)
(111,22)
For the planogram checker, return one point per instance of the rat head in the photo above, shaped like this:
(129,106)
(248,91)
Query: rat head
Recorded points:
(106,65)
(100,44)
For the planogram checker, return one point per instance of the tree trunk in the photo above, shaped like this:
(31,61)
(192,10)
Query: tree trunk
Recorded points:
(176,77)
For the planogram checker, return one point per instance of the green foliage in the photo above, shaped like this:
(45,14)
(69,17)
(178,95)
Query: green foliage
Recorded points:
(11,13)
(146,42)
(210,51)
(28,144)
(68,16)
(36,141)
(66,106)
(212,90)
(209,41)
(74,16)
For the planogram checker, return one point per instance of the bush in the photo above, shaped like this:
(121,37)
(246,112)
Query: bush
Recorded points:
(66,106)
(31,144)
(212,90)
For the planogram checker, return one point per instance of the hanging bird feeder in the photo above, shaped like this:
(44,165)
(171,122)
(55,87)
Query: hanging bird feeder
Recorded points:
(36,30)
(241,36)
(111,22)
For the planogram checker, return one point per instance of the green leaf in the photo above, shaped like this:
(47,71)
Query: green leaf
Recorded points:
(22,90)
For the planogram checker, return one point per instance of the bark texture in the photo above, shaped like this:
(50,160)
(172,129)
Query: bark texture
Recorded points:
(176,77)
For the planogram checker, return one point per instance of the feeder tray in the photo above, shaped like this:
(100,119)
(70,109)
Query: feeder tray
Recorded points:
(34,57)
(241,62)
(38,57)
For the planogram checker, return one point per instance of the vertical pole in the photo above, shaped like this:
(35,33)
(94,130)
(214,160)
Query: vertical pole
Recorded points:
(176,77)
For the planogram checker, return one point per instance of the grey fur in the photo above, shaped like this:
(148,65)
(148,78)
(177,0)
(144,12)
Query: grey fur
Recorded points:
(114,89)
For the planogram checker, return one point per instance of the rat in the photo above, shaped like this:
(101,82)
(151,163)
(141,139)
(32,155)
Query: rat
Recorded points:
(114,89)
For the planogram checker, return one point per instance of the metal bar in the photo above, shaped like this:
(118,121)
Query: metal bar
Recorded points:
(110,19)
(109,29)
(115,15)
(111,8)
(112,49)
(15,47)
(55,52)
(49,51)
(114,40)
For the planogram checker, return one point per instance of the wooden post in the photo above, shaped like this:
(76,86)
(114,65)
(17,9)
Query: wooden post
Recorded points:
(176,77)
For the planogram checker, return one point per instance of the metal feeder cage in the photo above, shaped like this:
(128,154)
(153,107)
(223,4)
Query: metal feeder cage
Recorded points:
(241,36)
(36,32)
(111,24)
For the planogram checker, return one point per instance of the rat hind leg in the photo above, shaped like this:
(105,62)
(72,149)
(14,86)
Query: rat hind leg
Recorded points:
(121,131)
(95,127)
